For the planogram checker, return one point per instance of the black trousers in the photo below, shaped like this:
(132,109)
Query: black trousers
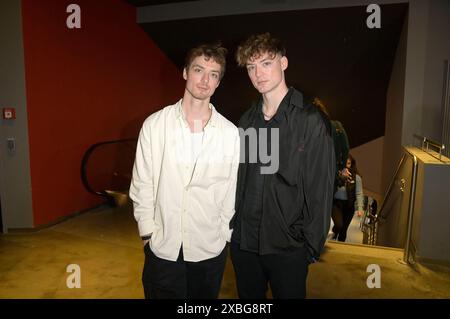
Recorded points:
(285,272)
(165,279)
(342,215)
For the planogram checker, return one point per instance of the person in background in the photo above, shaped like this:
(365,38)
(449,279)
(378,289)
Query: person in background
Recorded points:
(341,145)
(348,199)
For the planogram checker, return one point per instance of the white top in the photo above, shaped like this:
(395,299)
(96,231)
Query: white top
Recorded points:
(197,141)
(182,199)
(341,193)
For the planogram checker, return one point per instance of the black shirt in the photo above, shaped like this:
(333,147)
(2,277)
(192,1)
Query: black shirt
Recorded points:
(290,208)
(253,194)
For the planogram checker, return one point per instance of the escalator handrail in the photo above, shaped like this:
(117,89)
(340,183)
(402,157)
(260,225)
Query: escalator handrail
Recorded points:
(412,195)
(85,159)
(380,215)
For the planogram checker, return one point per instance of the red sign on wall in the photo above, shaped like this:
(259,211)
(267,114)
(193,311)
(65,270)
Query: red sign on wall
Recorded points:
(9,113)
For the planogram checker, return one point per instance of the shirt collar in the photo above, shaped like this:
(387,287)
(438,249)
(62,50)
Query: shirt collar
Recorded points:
(296,98)
(213,121)
(289,98)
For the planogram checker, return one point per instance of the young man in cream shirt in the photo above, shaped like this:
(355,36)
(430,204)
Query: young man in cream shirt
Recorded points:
(183,186)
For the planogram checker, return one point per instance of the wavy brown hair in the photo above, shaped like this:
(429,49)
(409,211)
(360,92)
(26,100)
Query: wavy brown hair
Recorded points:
(210,51)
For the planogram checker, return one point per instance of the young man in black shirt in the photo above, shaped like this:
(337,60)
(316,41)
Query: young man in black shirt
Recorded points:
(282,218)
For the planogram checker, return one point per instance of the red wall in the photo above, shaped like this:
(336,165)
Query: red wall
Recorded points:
(85,86)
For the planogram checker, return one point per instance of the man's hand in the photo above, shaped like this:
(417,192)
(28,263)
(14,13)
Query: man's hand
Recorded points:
(146,239)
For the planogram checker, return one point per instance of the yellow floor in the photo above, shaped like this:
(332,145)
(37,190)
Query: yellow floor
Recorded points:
(105,244)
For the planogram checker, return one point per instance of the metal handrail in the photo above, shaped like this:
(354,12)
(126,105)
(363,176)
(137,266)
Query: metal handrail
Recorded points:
(383,204)
(367,225)
(371,228)
(85,159)
(412,198)
(426,142)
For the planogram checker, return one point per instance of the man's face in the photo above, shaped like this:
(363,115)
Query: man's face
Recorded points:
(202,77)
(267,71)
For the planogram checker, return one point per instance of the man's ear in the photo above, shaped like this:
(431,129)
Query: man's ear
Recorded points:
(284,63)
(184,74)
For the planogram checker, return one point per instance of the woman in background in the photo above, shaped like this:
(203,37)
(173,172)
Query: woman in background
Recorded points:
(348,199)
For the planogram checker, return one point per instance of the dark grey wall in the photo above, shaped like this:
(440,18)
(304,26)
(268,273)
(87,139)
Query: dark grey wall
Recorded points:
(438,50)
(15,182)
(392,150)
(416,60)
(414,101)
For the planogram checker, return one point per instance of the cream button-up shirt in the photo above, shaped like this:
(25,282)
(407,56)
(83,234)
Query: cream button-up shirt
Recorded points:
(185,197)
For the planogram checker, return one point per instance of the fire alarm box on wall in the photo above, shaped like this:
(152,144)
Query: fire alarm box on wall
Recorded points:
(9,113)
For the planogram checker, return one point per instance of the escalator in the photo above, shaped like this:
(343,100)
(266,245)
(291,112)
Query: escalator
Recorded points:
(106,169)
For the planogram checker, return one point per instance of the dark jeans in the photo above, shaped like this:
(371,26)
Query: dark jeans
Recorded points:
(286,273)
(342,215)
(164,279)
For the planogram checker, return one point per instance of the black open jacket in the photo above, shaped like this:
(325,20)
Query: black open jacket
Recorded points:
(298,198)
